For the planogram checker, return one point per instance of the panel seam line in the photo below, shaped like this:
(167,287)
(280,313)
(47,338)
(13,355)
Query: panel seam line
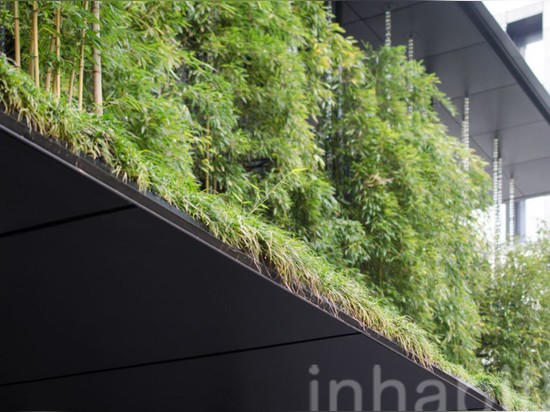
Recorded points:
(182,359)
(64,221)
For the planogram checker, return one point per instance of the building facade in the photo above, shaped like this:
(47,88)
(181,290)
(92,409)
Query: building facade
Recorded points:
(527,22)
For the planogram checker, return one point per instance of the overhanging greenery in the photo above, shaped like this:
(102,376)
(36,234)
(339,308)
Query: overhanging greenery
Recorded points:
(291,144)
(300,267)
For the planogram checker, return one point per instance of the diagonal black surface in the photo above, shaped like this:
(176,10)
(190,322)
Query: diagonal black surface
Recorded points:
(167,361)
(127,293)
(278,378)
(35,191)
(63,221)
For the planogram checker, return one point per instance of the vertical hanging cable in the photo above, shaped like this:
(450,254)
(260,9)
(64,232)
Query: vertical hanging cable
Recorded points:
(387,41)
(496,198)
(340,167)
(329,104)
(410,57)
(499,221)
(466,131)
(3,30)
(410,48)
(330,10)
(512,214)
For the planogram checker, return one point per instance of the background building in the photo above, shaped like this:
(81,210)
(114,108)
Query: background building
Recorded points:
(495,62)
(527,23)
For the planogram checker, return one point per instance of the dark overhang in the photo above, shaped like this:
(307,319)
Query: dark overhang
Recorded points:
(110,299)
(463,44)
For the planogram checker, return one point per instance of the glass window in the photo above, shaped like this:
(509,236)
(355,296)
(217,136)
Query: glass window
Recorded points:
(537,213)
(527,35)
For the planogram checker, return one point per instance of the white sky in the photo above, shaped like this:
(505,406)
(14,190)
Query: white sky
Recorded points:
(502,6)
(534,53)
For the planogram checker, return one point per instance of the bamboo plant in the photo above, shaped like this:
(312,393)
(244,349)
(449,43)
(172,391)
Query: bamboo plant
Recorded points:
(82,61)
(96,53)
(16,34)
(214,105)
(34,67)
(57,72)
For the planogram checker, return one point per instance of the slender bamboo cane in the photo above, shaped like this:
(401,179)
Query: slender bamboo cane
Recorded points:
(57,79)
(81,68)
(71,85)
(17,40)
(48,79)
(35,57)
(208,140)
(97,92)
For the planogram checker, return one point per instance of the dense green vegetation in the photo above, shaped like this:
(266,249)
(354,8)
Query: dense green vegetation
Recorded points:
(324,160)
(516,337)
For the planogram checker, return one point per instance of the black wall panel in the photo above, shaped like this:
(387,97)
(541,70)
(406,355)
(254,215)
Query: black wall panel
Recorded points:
(127,288)
(36,189)
(274,379)
(104,305)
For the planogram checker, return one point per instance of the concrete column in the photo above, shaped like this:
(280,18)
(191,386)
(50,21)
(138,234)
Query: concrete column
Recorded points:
(521,220)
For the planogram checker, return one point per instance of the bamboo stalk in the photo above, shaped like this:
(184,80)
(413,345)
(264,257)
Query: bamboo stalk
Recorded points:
(16,30)
(47,82)
(96,53)
(208,140)
(81,67)
(35,63)
(57,79)
(71,85)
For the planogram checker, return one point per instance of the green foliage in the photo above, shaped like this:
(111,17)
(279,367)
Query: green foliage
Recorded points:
(321,159)
(391,207)
(254,108)
(395,172)
(302,270)
(139,56)
(515,309)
